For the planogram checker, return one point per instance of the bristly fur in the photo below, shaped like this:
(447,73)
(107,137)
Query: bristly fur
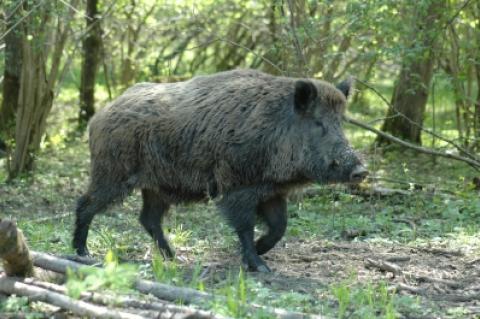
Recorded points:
(225,130)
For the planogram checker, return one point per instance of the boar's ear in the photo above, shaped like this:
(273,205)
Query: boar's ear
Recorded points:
(346,87)
(305,94)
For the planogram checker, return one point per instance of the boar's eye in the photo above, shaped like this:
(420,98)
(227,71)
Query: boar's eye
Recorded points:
(334,164)
(319,123)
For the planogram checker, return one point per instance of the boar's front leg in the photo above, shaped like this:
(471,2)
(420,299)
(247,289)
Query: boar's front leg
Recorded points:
(274,213)
(240,209)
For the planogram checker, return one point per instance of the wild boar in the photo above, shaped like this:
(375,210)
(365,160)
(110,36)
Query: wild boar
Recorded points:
(244,138)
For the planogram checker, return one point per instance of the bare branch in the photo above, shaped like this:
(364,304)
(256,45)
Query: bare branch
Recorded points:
(475,164)
(458,147)
(75,9)
(20,20)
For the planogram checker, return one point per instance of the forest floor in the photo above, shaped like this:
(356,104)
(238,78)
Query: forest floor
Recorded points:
(331,261)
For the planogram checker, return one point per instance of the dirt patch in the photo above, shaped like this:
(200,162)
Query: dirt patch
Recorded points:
(443,278)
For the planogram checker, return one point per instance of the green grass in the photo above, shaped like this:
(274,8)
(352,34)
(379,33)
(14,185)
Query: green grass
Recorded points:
(113,276)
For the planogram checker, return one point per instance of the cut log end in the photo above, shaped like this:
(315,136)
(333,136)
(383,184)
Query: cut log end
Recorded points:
(14,250)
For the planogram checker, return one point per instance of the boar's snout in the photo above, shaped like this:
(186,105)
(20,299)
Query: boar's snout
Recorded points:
(358,174)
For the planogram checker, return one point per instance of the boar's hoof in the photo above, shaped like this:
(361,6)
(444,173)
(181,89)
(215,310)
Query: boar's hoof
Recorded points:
(256,266)
(83,252)
(167,253)
(263,268)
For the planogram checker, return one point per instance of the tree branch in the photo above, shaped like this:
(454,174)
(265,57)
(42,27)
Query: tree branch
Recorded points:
(458,147)
(475,164)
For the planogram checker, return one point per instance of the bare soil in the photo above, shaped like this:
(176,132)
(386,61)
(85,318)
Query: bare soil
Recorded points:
(442,278)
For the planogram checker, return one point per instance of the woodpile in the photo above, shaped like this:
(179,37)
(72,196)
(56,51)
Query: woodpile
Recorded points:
(21,276)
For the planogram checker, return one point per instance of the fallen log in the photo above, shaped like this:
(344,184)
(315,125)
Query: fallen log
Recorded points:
(13,285)
(159,290)
(163,291)
(55,264)
(172,293)
(14,250)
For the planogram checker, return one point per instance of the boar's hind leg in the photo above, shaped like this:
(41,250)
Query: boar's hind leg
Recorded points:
(88,206)
(239,208)
(151,219)
(274,213)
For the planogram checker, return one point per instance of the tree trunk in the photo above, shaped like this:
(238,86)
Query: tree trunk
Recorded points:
(32,87)
(274,53)
(36,85)
(91,55)
(335,63)
(463,102)
(135,23)
(477,71)
(299,66)
(13,66)
(405,116)
(325,12)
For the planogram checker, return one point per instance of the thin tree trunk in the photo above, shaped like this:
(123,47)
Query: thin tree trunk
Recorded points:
(12,72)
(91,55)
(36,87)
(405,117)
(335,63)
(129,67)
(318,52)
(462,103)
(477,104)
(358,96)
(273,54)
(296,16)
(477,71)
(33,85)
